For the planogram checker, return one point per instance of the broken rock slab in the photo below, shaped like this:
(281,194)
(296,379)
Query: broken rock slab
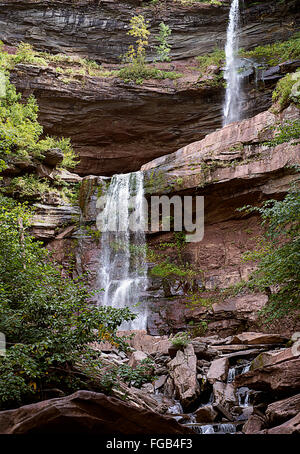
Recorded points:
(183,371)
(218,370)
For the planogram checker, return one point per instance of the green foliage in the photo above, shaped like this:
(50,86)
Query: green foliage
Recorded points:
(163,50)
(142,373)
(46,318)
(137,73)
(20,130)
(180,339)
(282,94)
(137,70)
(198,329)
(26,54)
(285,132)
(275,53)
(170,270)
(28,187)
(195,300)
(70,65)
(278,256)
(215,58)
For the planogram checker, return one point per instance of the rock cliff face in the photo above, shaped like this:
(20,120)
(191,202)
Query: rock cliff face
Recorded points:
(115,126)
(97,30)
(230,167)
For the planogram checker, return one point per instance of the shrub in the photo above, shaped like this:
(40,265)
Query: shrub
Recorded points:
(278,257)
(139,30)
(180,339)
(46,318)
(20,130)
(214,58)
(285,132)
(28,187)
(275,53)
(26,54)
(283,90)
(137,73)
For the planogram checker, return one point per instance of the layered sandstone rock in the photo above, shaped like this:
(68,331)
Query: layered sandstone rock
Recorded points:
(283,410)
(280,378)
(99,31)
(86,412)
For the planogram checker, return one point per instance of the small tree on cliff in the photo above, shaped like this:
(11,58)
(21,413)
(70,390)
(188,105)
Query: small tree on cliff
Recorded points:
(163,50)
(138,29)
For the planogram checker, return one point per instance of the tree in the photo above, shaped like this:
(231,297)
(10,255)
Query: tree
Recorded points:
(278,256)
(47,319)
(139,30)
(163,50)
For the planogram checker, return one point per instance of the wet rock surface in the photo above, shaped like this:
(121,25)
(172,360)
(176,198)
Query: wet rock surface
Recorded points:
(217,394)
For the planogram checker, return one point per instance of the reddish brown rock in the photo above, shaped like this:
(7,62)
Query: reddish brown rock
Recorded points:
(183,371)
(282,378)
(272,357)
(136,357)
(250,338)
(254,424)
(86,412)
(224,394)
(101,33)
(206,414)
(290,427)
(283,410)
(218,370)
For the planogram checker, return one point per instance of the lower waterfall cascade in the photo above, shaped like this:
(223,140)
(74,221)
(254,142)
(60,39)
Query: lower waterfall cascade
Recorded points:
(123,270)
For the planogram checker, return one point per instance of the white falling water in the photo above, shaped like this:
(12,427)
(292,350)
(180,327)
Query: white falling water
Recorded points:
(123,271)
(232,104)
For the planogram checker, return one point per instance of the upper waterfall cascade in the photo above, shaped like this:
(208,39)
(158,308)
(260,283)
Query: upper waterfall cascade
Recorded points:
(123,270)
(233,96)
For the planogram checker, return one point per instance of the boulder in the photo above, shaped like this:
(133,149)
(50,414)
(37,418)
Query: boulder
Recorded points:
(160,381)
(136,357)
(295,336)
(250,338)
(272,357)
(254,424)
(53,157)
(206,414)
(86,412)
(203,351)
(183,371)
(218,370)
(146,343)
(282,378)
(292,426)
(224,394)
(283,410)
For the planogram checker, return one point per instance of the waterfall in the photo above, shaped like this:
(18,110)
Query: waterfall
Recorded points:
(232,104)
(123,271)
(231,375)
